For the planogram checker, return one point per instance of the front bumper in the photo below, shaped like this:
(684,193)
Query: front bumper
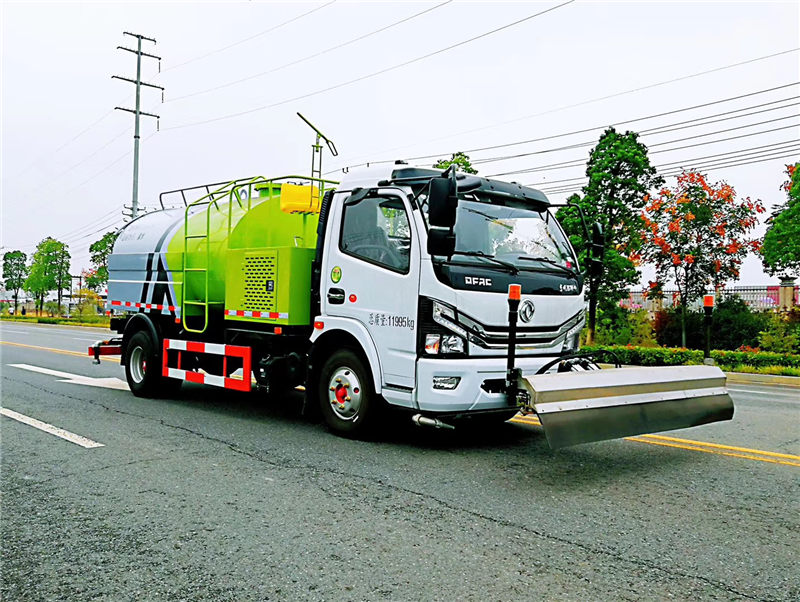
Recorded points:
(476,374)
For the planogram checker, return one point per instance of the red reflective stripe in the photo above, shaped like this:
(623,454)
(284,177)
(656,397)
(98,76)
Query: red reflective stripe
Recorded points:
(171,308)
(240,313)
(116,303)
(274,315)
(237,350)
(194,346)
(256,314)
(195,377)
(164,369)
(237,385)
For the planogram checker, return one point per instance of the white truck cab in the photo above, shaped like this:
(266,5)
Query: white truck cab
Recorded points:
(436,328)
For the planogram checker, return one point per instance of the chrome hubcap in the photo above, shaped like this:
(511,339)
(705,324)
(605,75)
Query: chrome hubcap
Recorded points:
(344,393)
(137,364)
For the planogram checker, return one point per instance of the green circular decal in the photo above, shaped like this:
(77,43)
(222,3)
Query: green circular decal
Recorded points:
(336,274)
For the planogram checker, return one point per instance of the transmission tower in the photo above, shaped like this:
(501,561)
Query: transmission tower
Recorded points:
(137,111)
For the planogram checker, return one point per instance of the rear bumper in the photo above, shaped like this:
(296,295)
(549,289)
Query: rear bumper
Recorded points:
(470,395)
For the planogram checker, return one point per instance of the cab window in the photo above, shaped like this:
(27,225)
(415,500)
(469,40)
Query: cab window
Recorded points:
(376,230)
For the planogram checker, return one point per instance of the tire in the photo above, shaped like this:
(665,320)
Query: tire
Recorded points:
(347,398)
(142,370)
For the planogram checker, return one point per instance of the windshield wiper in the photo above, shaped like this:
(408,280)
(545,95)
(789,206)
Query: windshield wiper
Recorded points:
(551,262)
(509,266)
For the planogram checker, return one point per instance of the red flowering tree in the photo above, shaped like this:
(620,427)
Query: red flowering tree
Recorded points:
(697,234)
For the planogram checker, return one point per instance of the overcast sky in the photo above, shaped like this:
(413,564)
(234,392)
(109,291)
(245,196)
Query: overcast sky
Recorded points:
(67,155)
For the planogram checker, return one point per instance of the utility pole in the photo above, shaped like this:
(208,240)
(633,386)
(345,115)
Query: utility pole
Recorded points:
(137,111)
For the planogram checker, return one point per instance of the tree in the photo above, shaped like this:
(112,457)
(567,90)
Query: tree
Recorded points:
(620,175)
(698,234)
(100,250)
(49,270)
(461,160)
(15,271)
(781,251)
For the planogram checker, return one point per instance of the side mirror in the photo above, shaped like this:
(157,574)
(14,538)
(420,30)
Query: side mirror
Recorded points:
(442,202)
(441,242)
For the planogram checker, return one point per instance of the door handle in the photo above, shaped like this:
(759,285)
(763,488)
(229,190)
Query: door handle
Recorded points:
(336,296)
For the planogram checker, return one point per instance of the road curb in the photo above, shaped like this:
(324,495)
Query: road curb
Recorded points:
(746,378)
(763,379)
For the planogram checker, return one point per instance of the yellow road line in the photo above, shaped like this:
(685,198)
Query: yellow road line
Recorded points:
(711,451)
(61,351)
(700,446)
(526,420)
(720,446)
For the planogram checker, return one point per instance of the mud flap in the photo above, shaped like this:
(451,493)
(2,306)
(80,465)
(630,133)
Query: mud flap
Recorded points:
(594,405)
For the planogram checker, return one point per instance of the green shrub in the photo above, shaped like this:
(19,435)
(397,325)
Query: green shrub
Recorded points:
(733,325)
(782,333)
(618,326)
(661,356)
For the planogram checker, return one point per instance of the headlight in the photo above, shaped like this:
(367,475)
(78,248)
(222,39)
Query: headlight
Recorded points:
(452,344)
(445,344)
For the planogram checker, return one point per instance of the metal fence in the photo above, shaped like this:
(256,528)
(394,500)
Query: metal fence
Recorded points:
(758,298)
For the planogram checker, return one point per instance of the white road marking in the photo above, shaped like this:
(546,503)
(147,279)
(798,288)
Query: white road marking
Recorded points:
(49,428)
(58,334)
(77,379)
(765,393)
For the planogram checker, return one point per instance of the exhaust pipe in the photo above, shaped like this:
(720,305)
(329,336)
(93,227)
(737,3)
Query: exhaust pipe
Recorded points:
(421,420)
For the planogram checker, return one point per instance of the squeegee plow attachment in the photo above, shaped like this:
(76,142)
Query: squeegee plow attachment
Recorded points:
(579,407)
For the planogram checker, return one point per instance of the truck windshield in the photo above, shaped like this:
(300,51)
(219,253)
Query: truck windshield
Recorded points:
(514,233)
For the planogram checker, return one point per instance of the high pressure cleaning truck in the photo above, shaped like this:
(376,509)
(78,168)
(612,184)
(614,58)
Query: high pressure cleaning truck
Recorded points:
(444,295)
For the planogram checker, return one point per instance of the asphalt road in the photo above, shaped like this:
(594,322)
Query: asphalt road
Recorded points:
(214,495)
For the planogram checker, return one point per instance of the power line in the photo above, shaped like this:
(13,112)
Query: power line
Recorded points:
(127,98)
(92,224)
(582,162)
(652,131)
(730,155)
(369,75)
(308,57)
(593,142)
(252,37)
(589,101)
(675,171)
(628,121)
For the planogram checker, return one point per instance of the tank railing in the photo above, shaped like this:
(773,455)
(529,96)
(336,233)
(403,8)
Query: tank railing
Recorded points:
(253,182)
(232,190)
(206,187)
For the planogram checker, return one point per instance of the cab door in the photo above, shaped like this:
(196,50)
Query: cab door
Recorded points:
(371,275)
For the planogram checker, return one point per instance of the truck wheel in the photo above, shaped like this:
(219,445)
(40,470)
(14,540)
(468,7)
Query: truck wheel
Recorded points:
(347,397)
(142,370)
